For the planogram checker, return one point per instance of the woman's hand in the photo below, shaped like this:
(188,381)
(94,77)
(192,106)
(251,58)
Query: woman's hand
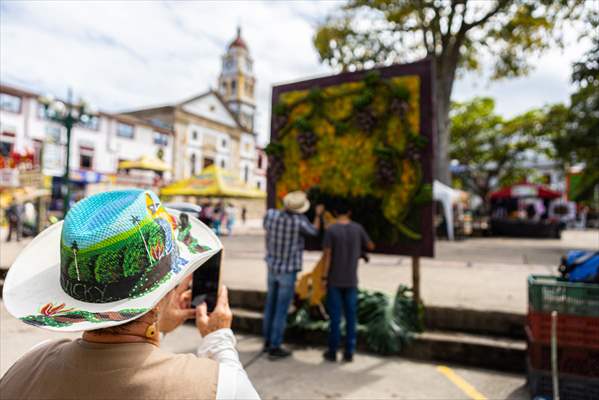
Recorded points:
(177,307)
(220,318)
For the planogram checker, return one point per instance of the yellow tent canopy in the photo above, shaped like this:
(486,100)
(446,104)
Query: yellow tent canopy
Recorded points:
(212,182)
(147,163)
(21,195)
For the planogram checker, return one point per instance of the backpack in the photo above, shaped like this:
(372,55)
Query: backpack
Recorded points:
(580,266)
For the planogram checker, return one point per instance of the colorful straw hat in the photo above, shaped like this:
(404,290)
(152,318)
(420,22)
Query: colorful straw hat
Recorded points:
(112,259)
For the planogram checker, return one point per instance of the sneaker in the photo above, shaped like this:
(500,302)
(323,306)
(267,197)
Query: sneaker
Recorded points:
(266,348)
(278,353)
(330,356)
(348,357)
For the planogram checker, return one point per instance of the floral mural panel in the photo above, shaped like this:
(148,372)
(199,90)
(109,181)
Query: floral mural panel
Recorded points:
(363,138)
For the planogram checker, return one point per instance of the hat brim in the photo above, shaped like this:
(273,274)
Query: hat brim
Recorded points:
(32,290)
(305,207)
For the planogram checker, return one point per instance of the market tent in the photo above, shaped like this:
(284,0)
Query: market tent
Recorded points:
(147,163)
(212,182)
(525,190)
(447,196)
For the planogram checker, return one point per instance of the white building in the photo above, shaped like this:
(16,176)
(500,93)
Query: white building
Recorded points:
(96,147)
(215,127)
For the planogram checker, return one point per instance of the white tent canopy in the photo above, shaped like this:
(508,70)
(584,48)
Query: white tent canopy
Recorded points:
(447,196)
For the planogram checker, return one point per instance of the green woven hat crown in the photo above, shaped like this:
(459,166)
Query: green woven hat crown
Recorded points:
(116,245)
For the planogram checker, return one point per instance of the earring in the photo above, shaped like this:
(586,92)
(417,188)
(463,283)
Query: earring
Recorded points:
(151,331)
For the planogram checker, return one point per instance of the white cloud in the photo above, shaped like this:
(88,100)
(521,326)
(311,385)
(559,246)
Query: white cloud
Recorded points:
(123,55)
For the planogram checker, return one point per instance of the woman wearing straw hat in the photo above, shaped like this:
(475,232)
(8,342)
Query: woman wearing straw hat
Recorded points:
(116,271)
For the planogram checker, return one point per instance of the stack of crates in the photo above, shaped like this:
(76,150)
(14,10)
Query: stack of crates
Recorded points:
(577,305)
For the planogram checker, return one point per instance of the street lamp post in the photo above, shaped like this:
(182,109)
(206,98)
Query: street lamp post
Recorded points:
(67,115)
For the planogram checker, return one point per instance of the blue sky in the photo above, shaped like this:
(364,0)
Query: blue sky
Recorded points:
(123,55)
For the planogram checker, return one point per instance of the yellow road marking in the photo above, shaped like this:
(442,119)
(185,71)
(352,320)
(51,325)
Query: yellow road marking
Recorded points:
(460,383)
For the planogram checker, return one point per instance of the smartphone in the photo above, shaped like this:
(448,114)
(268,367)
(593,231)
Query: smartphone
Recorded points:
(206,281)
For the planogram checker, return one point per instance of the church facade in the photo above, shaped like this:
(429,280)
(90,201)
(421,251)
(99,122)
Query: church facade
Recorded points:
(215,127)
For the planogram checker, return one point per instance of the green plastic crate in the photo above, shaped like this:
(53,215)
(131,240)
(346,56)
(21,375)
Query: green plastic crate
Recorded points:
(549,293)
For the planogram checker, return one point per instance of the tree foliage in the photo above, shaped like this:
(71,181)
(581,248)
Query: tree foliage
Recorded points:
(135,259)
(456,34)
(497,151)
(84,264)
(109,267)
(579,142)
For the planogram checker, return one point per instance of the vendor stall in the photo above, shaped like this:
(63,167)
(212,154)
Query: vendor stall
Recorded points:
(145,163)
(212,182)
(146,172)
(523,211)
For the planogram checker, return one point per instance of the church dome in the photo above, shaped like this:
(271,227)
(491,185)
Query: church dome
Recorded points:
(238,41)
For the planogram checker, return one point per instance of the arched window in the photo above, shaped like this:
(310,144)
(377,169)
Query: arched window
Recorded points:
(233,85)
(193,164)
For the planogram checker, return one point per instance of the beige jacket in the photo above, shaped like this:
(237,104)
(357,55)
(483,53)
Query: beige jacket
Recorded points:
(77,369)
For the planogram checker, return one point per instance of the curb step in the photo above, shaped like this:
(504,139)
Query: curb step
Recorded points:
(481,351)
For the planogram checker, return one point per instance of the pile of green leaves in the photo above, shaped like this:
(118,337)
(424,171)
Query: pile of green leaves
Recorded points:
(385,323)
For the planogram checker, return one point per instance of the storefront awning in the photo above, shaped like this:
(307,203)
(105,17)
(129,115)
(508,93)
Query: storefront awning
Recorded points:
(212,182)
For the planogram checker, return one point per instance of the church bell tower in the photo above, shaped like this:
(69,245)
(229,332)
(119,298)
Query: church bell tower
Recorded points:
(236,83)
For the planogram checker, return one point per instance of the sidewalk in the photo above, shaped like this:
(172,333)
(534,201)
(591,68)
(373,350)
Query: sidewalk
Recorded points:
(481,274)
(481,286)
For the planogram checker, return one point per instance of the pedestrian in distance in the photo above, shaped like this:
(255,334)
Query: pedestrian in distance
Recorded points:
(230,211)
(116,270)
(343,245)
(243,214)
(285,231)
(206,214)
(217,218)
(14,215)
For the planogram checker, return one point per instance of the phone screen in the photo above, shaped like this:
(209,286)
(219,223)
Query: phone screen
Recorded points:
(205,282)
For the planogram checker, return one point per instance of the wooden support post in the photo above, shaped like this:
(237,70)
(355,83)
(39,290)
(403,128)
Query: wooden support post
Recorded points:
(416,278)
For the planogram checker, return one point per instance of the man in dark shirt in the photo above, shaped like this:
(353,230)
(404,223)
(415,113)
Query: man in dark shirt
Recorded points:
(343,245)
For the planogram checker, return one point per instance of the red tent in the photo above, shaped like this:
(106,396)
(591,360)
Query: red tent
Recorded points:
(525,190)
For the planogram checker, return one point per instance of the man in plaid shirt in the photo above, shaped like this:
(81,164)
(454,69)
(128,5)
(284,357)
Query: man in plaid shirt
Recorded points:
(285,231)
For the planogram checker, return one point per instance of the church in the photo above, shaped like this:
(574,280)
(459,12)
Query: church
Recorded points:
(215,127)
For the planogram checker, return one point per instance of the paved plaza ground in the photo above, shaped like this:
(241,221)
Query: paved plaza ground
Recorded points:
(477,273)
(306,375)
(482,273)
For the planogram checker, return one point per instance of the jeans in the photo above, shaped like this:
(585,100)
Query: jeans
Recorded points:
(16,227)
(216,224)
(281,287)
(338,299)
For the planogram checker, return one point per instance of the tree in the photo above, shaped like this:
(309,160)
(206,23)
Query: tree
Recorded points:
(495,151)
(579,142)
(108,267)
(456,34)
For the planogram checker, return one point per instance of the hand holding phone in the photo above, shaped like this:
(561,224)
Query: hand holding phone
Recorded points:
(220,318)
